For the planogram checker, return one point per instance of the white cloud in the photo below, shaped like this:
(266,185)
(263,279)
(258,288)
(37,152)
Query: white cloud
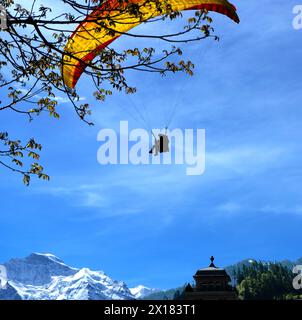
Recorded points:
(66,100)
(230,207)
(282,209)
(166,184)
(93,199)
(83,195)
(245,159)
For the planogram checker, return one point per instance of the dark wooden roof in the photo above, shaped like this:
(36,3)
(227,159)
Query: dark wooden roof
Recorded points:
(212,270)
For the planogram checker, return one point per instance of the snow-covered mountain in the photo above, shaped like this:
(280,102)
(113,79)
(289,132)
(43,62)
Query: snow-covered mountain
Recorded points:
(37,269)
(46,277)
(141,292)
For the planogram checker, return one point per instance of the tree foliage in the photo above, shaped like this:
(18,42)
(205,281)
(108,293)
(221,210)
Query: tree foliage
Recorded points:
(15,151)
(265,281)
(31,51)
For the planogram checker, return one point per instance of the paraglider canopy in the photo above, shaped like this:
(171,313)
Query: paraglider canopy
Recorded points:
(89,39)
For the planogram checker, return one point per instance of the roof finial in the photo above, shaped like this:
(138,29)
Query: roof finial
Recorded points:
(212,265)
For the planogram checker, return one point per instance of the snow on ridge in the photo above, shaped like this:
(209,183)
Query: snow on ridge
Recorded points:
(84,285)
(141,291)
(53,258)
(48,255)
(43,276)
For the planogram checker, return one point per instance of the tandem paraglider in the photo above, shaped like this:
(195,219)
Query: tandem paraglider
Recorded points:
(92,36)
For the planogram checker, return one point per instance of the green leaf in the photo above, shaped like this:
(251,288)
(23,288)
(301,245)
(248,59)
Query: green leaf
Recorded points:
(26,179)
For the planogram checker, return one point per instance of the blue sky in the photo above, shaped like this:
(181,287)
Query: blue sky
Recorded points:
(154,225)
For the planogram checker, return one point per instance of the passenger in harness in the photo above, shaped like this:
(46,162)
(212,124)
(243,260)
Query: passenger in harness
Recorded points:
(161,145)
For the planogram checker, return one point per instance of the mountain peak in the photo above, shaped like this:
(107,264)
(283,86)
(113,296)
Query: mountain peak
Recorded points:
(43,276)
(46,256)
(141,291)
(37,269)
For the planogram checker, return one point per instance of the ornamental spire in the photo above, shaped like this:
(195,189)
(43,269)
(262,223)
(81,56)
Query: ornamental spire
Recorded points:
(212,265)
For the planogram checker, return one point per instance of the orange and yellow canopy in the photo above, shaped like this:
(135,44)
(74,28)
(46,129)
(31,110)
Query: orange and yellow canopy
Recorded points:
(89,38)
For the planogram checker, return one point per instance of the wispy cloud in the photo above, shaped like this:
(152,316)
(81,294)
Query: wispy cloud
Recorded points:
(82,195)
(230,208)
(247,159)
(58,98)
(282,209)
(140,187)
(66,100)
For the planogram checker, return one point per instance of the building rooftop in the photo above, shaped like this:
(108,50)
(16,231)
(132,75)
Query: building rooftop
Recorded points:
(212,270)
